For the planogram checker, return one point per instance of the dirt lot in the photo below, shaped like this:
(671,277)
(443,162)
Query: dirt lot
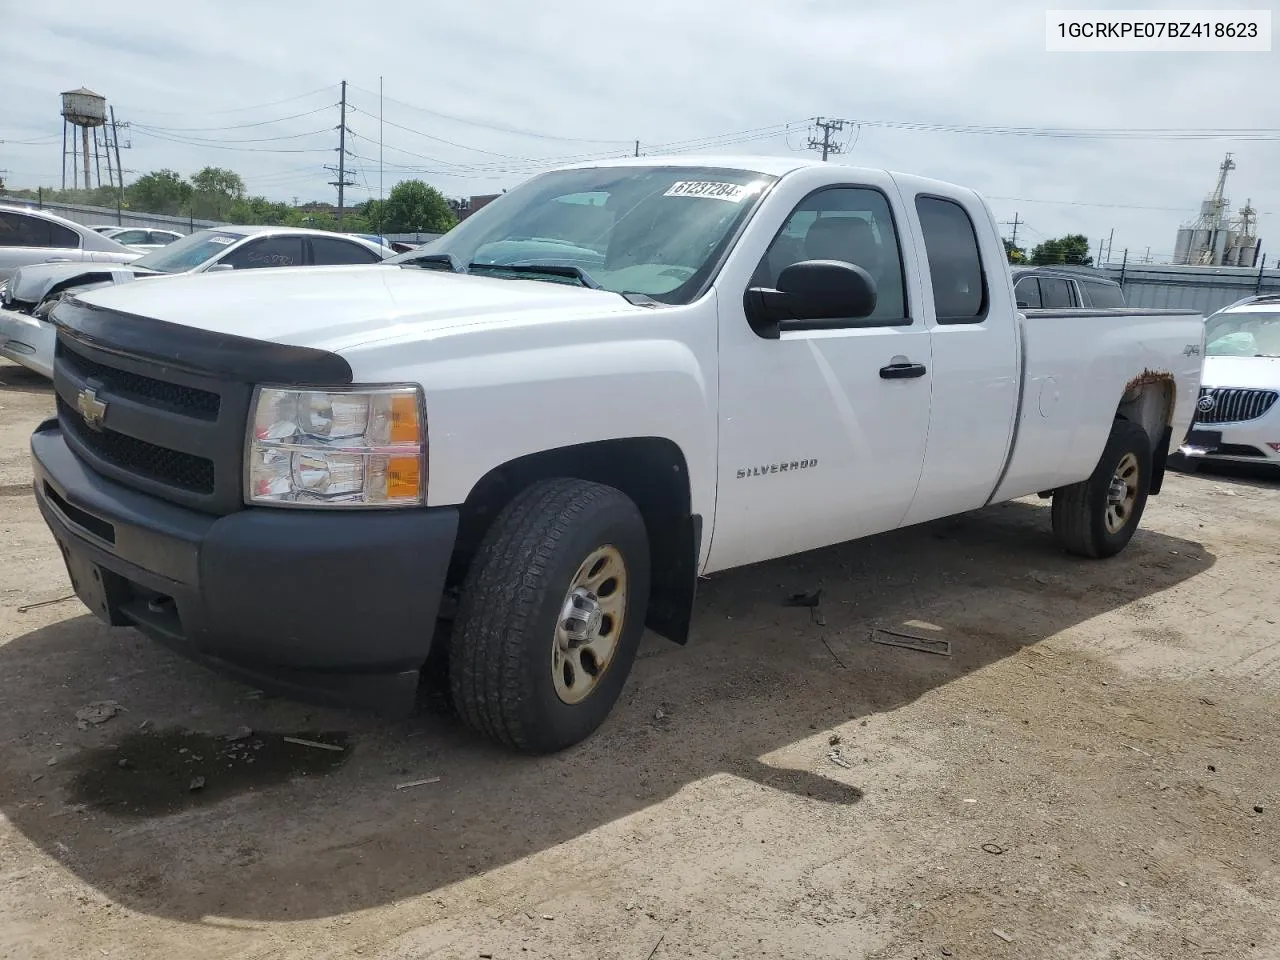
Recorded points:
(1091,773)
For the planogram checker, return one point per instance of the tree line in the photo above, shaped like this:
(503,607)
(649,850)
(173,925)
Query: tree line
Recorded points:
(1072,249)
(215,193)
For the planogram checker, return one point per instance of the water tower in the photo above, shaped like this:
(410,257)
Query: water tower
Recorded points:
(86,110)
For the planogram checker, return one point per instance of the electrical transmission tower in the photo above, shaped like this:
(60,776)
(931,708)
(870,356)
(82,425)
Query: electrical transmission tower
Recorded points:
(824,142)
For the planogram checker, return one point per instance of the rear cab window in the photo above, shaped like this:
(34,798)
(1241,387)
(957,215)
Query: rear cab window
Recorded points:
(955,262)
(1103,296)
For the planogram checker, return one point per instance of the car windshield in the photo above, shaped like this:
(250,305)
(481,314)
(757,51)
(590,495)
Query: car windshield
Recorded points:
(189,252)
(1243,334)
(654,231)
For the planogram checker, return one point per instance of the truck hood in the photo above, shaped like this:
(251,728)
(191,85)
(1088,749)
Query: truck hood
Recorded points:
(1242,372)
(336,308)
(31,284)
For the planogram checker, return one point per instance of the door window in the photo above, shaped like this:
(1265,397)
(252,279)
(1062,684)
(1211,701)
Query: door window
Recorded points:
(19,230)
(1027,293)
(851,224)
(267,252)
(955,265)
(130,236)
(1056,294)
(327,251)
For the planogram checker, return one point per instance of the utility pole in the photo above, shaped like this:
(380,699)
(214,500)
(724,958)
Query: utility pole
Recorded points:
(1015,222)
(1109,240)
(637,148)
(342,182)
(115,141)
(828,127)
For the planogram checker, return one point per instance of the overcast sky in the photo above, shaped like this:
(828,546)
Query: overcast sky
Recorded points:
(589,78)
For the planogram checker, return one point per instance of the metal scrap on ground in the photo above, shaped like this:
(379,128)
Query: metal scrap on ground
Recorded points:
(313,743)
(908,641)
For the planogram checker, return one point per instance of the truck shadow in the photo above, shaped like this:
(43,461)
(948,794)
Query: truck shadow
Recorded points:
(340,834)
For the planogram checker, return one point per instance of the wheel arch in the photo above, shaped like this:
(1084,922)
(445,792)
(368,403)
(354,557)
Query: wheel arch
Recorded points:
(1149,400)
(652,471)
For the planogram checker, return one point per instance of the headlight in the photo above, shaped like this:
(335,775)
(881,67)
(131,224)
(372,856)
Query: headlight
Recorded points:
(41,311)
(353,448)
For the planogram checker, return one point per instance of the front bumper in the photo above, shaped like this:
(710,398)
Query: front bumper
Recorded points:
(332,607)
(28,341)
(1251,441)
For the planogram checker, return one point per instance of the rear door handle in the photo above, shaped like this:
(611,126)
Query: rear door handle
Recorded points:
(902,371)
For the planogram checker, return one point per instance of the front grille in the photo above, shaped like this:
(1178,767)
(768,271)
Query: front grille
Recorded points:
(172,396)
(172,467)
(167,432)
(1233,405)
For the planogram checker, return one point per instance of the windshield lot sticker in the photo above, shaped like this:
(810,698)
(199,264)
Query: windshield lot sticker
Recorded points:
(222,240)
(733,192)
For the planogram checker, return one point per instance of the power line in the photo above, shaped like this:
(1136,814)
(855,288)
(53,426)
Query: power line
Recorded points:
(492,126)
(237,126)
(214,113)
(204,145)
(1082,133)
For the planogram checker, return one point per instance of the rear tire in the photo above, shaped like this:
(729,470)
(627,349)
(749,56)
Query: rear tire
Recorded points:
(1098,517)
(551,614)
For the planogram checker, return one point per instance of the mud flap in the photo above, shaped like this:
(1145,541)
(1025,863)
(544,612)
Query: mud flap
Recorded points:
(675,585)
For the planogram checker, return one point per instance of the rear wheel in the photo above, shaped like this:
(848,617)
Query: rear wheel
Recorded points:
(551,614)
(1099,516)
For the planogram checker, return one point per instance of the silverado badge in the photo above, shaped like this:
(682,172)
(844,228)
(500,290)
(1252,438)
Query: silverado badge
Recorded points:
(91,408)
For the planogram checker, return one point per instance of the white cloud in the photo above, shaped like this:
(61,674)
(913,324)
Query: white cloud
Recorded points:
(662,71)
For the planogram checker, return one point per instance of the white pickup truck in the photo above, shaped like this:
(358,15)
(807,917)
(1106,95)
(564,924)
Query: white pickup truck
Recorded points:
(500,457)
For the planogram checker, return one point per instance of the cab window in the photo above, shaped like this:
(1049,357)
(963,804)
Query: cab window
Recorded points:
(851,224)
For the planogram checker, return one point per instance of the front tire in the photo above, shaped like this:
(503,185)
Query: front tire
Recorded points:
(551,615)
(1098,517)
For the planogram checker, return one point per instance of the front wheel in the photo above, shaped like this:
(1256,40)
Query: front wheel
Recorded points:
(551,615)
(1099,516)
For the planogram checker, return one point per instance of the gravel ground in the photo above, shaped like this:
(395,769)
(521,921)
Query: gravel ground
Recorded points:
(1089,773)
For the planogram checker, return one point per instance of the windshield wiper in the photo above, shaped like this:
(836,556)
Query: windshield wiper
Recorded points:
(545,269)
(428,260)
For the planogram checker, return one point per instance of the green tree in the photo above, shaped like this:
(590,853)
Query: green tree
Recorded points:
(1073,248)
(1014,254)
(259,210)
(411,207)
(215,190)
(161,191)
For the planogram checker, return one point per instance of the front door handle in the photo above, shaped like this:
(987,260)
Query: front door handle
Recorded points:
(902,371)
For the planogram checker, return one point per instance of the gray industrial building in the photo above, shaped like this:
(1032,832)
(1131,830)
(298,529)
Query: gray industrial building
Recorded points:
(1215,240)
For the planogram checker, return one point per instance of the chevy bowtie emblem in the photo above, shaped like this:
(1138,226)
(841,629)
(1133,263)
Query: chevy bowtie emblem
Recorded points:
(91,408)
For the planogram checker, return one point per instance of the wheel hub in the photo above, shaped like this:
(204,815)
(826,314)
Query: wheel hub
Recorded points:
(590,625)
(581,617)
(1122,494)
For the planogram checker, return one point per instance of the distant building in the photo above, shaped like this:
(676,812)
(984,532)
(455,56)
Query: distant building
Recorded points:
(466,206)
(1213,240)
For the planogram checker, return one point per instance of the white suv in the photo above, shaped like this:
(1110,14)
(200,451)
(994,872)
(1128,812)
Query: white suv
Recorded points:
(1238,413)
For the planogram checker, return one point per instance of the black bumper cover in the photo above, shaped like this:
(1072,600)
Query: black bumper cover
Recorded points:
(336,608)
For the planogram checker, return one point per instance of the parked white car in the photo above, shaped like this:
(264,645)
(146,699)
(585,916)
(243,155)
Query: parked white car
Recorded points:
(27,336)
(29,236)
(1237,413)
(547,425)
(143,239)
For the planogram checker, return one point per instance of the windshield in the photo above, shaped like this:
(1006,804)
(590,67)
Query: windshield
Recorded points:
(656,231)
(1243,334)
(189,252)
